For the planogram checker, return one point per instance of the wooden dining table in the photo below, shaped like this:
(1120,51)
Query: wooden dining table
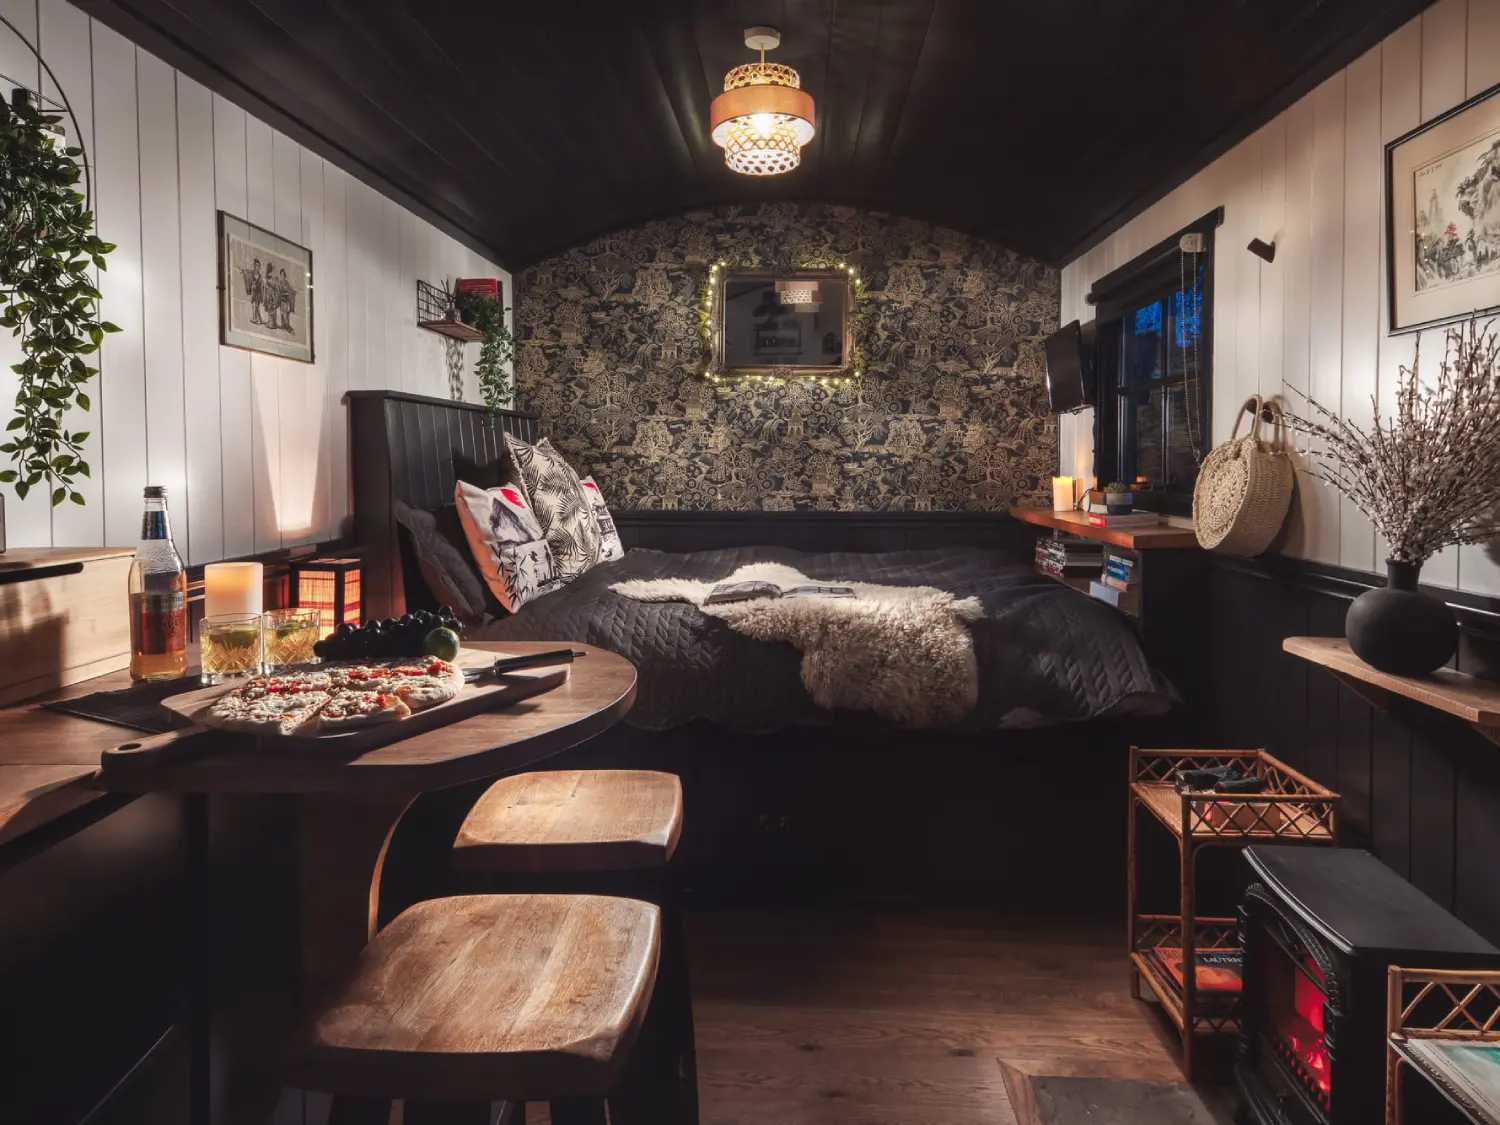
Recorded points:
(349,806)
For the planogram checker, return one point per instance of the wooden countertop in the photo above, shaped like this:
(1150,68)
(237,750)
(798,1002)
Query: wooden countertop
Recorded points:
(49,762)
(1167,536)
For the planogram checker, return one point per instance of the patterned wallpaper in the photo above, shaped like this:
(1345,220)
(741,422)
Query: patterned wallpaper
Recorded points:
(951,413)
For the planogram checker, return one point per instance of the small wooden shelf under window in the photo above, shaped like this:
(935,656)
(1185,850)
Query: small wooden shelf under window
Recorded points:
(1473,700)
(1166,535)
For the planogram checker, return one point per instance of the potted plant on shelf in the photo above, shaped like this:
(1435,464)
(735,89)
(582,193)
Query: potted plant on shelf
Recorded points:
(1427,478)
(496,351)
(1118,498)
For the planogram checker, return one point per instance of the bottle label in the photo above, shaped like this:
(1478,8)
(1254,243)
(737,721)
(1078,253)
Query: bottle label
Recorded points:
(163,623)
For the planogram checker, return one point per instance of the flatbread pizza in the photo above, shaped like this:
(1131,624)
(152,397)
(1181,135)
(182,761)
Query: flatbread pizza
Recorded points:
(335,697)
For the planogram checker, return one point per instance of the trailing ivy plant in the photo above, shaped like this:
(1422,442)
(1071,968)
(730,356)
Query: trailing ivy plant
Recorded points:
(47,249)
(496,352)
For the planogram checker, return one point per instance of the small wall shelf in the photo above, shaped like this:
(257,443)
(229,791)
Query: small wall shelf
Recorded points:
(1473,700)
(1166,535)
(432,314)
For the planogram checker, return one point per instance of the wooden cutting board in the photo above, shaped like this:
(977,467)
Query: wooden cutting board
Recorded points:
(486,695)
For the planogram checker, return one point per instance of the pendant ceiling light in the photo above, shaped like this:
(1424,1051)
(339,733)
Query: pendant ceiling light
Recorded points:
(763,117)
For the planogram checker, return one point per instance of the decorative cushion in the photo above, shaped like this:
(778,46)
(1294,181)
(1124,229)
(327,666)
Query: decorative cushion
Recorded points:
(610,547)
(557,498)
(507,542)
(491,474)
(442,549)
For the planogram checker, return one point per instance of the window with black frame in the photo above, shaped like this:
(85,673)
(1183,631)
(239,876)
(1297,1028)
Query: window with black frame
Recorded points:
(1155,377)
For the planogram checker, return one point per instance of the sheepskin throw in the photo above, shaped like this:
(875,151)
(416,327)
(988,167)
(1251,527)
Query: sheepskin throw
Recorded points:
(903,652)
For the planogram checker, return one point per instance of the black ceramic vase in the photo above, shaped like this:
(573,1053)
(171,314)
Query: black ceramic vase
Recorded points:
(1398,630)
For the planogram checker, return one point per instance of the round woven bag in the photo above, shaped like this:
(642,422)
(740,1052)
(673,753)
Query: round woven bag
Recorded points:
(1244,489)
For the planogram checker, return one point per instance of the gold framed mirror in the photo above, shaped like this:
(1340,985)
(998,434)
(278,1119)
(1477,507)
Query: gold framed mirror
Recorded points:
(792,324)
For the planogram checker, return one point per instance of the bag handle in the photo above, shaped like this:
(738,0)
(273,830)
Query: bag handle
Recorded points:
(1258,407)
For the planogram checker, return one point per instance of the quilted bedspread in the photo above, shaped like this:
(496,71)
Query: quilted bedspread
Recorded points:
(1046,653)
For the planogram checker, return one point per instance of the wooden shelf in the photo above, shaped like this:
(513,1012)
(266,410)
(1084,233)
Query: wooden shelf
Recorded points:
(1207,933)
(453,329)
(1166,536)
(1473,700)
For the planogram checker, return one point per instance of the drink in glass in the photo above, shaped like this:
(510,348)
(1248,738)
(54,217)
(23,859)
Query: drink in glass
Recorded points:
(290,636)
(229,646)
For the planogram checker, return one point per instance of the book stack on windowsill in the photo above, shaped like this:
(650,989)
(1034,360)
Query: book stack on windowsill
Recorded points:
(1118,583)
(1069,556)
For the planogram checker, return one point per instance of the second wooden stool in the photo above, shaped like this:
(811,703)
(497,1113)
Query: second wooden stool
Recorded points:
(598,832)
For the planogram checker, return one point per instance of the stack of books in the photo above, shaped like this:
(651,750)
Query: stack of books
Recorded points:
(1069,556)
(1117,584)
(1220,974)
(1130,520)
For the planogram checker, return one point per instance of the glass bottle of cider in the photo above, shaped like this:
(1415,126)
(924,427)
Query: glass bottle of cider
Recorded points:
(158,597)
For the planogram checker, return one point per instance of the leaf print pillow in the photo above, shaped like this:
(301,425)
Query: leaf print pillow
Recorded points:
(560,503)
(506,541)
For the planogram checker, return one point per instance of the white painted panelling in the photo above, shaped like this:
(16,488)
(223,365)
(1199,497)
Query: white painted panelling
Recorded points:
(265,370)
(200,319)
(161,285)
(64,35)
(1363,188)
(253,448)
(32,517)
(122,359)
(1315,320)
(237,425)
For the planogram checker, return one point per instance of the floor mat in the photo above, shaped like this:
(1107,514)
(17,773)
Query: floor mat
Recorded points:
(1040,1100)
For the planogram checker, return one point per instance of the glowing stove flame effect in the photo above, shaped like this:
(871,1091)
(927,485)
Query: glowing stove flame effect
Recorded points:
(1301,1035)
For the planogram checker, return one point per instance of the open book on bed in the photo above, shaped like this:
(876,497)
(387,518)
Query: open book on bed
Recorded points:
(744,591)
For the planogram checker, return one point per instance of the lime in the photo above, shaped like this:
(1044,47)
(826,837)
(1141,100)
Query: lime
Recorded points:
(441,643)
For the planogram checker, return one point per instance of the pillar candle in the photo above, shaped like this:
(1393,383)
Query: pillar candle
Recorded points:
(232,587)
(1062,494)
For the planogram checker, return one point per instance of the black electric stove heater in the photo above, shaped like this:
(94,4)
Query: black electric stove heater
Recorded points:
(1319,928)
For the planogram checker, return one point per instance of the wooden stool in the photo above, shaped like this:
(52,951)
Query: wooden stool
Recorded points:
(463,1001)
(600,832)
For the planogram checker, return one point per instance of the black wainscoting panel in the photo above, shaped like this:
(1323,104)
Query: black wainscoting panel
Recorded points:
(1420,789)
(1434,786)
(1355,733)
(1325,618)
(1391,796)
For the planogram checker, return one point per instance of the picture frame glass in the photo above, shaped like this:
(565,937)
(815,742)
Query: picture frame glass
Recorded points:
(265,291)
(790,324)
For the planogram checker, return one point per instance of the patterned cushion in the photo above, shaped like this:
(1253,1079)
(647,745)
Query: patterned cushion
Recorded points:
(610,547)
(506,541)
(557,498)
(439,541)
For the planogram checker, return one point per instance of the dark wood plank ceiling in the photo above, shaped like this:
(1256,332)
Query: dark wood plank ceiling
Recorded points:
(530,127)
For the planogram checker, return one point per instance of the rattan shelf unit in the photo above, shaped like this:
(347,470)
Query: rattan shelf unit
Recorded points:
(1293,809)
(1429,1012)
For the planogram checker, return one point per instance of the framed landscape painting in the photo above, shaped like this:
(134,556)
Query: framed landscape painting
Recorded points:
(265,291)
(1443,216)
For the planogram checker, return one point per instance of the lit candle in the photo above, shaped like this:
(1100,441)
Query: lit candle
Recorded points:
(232,587)
(1062,494)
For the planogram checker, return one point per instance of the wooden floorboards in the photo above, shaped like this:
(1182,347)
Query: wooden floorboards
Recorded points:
(833,1018)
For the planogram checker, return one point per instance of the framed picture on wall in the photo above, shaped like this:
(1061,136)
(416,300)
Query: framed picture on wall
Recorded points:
(1443,216)
(265,291)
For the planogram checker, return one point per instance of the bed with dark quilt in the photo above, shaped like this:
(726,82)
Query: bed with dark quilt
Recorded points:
(1046,654)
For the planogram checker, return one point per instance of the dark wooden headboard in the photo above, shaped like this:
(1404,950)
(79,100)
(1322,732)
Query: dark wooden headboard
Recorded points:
(401,447)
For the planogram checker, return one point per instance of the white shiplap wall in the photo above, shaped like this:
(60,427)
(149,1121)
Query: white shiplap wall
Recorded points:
(251,448)
(1312,180)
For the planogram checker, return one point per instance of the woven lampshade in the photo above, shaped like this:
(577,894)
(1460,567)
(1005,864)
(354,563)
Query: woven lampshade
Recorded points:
(763,117)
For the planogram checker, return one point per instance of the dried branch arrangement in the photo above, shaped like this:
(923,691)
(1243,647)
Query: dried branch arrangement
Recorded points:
(1428,478)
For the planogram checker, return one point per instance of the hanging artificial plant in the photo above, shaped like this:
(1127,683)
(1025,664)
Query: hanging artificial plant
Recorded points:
(498,349)
(47,249)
